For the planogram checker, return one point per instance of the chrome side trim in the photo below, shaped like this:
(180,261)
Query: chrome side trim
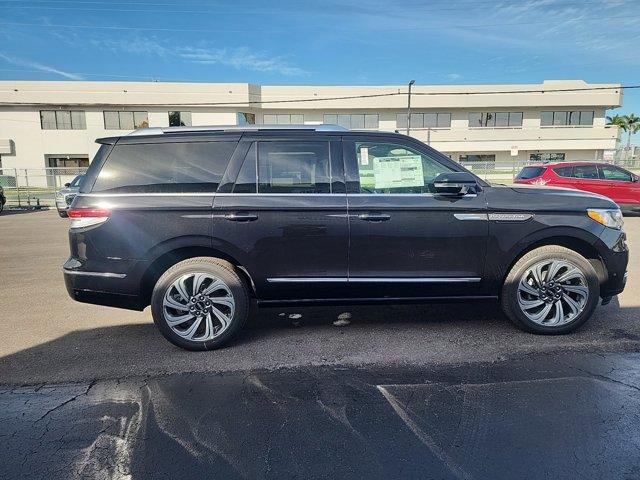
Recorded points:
(94,274)
(510,217)
(471,216)
(374,280)
(213,194)
(308,280)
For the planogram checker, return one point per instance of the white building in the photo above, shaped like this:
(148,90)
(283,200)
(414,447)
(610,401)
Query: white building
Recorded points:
(54,124)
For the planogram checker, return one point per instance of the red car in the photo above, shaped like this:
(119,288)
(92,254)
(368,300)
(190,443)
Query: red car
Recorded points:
(618,184)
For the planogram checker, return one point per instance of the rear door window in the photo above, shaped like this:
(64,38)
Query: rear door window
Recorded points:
(587,172)
(294,167)
(189,167)
(530,172)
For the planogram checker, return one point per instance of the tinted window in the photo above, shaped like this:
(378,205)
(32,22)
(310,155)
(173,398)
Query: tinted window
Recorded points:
(246,181)
(394,168)
(294,167)
(615,174)
(564,171)
(165,167)
(530,172)
(585,171)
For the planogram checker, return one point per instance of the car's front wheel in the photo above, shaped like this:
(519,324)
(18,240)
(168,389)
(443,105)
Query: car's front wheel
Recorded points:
(200,303)
(550,290)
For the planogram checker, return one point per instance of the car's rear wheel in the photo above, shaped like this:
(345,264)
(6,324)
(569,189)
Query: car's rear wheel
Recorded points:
(200,303)
(550,290)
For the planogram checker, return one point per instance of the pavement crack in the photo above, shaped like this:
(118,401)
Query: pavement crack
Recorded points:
(606,378)
(60,405)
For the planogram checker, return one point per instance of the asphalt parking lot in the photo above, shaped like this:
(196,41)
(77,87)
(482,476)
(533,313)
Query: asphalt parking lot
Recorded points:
(435,391)
(47,337)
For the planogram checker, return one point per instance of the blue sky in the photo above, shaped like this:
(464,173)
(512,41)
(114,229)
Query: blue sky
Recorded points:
(324,42)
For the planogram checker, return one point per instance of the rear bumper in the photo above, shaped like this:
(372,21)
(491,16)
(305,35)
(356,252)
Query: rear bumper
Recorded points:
(630,207)
(101,288)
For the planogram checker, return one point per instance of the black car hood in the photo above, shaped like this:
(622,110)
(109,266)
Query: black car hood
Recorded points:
(532,197)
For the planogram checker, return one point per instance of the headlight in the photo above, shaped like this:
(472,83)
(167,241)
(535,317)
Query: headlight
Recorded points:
(59,195)
(611,218)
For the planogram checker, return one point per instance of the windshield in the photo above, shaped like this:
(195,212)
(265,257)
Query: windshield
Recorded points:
(530,172)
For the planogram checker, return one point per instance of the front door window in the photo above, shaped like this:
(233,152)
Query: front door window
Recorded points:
(386,167)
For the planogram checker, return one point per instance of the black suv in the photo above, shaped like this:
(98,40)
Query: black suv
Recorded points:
(197,222)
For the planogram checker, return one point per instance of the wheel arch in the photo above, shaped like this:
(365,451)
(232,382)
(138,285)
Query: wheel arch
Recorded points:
(169,258)
(575,243)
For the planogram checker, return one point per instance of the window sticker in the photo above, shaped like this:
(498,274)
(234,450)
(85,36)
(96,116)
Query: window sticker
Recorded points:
(364,156)
(395,172)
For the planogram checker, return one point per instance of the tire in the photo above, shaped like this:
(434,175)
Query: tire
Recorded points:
(63,214)
(228,296)
(521,293)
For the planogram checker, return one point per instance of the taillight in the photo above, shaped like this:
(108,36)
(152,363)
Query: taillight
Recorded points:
(87,217)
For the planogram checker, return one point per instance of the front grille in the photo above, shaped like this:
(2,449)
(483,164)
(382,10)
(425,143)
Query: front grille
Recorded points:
(69,198)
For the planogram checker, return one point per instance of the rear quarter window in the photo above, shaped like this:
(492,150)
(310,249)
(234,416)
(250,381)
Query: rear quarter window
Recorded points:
(530,172)
(188,167)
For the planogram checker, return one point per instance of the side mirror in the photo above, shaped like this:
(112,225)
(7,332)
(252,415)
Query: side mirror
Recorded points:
(67,185)
(455,184)
(635,178)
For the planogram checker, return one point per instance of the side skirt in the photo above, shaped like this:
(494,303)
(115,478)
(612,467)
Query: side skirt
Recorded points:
(376,300)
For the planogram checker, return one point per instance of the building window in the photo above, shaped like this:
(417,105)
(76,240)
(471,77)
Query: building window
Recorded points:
(67,162)
(62,120)
(245,118)
(479,158)
(571,118)
(121,120)
(547,157)
(179,119)
(424,120)
(495,119)
(283,118)
(355,120)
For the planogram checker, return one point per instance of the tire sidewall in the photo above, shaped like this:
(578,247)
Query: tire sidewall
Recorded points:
(236,286)
(510,291)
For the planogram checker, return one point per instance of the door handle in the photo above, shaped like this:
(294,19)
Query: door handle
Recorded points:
(241,217)
(374,217)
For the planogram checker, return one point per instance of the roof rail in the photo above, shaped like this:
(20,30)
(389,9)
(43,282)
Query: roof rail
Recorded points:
(325,127)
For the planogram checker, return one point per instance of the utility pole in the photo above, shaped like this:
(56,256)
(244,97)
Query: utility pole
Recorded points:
(409,107)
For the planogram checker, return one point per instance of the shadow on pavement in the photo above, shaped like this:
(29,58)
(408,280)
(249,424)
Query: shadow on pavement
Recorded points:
(393,335)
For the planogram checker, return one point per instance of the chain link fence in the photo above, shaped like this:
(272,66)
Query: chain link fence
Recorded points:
(37,187)
(505,172)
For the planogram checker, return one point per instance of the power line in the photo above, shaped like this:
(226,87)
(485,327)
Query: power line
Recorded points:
(400,28)
(325,99)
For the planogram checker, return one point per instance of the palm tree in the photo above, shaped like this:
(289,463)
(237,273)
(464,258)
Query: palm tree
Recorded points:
(633,126)
(627,123)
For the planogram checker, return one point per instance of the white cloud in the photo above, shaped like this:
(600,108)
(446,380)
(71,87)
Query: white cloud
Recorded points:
(239,58)
(39,66)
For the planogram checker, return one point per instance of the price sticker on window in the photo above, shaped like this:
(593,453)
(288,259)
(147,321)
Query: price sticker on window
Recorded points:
(364,156)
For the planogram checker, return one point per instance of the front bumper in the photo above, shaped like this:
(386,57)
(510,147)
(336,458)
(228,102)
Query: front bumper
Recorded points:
(613,249)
